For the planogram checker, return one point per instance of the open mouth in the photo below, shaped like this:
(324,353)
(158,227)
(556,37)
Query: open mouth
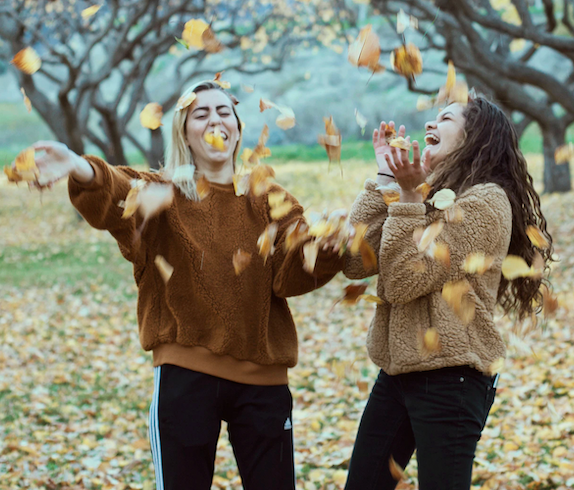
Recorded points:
(431,139)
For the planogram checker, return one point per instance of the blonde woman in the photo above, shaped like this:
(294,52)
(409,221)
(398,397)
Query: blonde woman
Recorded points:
(221,342)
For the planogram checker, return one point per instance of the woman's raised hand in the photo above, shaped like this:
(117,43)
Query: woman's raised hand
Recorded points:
(409,174)
(58,161)
(381,146)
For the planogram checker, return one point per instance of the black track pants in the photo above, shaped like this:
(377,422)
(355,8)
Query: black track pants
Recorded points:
(185,420)
(441,413)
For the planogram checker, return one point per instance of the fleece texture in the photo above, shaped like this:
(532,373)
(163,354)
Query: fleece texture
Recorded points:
(205,303)
(412,300)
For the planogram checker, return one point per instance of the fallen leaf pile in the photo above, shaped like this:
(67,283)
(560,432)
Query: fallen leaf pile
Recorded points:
(76,386)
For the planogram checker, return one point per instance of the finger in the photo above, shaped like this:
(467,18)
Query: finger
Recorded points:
(402,131)
(416,153)
(390,164)
(43,145)
(375,138)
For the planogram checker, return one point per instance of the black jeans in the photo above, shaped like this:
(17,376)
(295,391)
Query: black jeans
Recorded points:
(439,413)
(185,420)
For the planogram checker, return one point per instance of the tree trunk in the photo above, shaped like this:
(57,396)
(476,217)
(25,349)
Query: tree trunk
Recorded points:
(115,151)
(155,155)
(556,177)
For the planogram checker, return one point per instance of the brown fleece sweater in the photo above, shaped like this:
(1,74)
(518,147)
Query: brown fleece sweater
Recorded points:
(412,300)
(205,305)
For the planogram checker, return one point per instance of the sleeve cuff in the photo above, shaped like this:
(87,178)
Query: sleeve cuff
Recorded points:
(408,209)
(99,169)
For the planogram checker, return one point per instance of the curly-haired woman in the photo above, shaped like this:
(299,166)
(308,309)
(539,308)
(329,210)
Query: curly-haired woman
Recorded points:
(436,399)
(221,342)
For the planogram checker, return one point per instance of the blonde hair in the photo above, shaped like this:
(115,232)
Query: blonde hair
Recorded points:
(179,167)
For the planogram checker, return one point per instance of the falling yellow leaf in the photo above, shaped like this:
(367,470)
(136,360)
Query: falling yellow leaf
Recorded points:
(154,198)
(428,236)
(23,168)
(240,261)
(215,139)
(371,299)
(217,79)
(286,120)
(361,121)
(536,237)
(203,187)
(27,102)
(260,150)
(210,42)
(496,366)
(454,90)
(396,471)
(563,154)
(450,77)
(193,33)
(514,267)
(265,104)
(90,11)
(365,50)
(549,302)
(259,179)
(266,242)
(431,340)
(185,101)
(443,199)
(477,263)
(27,61)
(279,206)
(517,45)
(247,88)
(454,214)
(440,252)
(310,252)
(423,190)
(164,268)
(455,293)
(150,116)
(360,231)
(401,143)
(407,60)
(368,256)
(241,184)
(404,21)
(424,103)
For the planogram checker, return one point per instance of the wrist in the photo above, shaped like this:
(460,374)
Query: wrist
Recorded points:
(387,174)
(410,195)
(82,170)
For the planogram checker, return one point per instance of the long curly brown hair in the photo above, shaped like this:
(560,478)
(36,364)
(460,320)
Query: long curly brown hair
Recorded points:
(489,153)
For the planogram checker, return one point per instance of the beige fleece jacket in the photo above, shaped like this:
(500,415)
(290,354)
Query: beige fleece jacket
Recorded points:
(412,301)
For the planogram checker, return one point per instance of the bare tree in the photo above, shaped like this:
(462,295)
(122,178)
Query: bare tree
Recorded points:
(100,67)
(501,52)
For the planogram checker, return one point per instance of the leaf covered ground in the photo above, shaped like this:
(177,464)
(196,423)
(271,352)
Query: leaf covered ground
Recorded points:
(75,386)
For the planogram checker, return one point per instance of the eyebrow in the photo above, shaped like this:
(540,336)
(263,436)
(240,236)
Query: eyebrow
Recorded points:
(445,113)
(206,108)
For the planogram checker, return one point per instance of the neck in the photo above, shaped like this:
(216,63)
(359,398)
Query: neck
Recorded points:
(216,173)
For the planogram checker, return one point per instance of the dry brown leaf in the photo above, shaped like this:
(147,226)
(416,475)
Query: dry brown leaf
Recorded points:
(164,268)
(365,50)
(455,293)
(537,237)
(563,154)
(331,141)
(363,387)
(401,143)
(27,61)
(371,299)
(240,261)
(27,102)
(265,104)
(210,42)
(352,293)
(396,471)
(217,79)
(266,241)
(150,116)
(260,150)
(407,61)
(295,234)
(549,302)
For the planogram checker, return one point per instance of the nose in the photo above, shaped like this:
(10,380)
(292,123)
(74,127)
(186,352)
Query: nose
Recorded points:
(430,125)
(214,118)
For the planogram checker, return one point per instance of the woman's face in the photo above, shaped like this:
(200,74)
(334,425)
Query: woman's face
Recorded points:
(443,135)
(211,109)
